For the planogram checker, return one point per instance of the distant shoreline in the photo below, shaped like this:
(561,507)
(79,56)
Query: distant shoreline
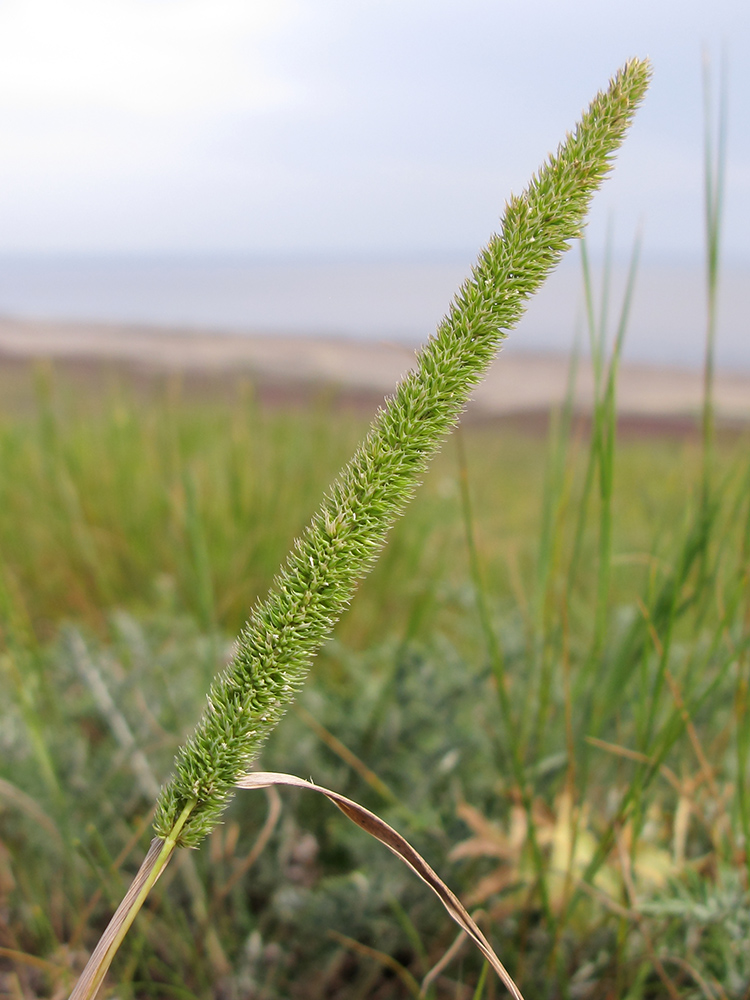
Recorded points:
(516,383)
(399,300)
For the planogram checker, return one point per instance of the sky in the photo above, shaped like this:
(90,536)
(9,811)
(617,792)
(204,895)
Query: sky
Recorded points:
(350,127)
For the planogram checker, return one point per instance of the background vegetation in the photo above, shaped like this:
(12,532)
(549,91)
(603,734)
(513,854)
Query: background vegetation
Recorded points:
(543,684)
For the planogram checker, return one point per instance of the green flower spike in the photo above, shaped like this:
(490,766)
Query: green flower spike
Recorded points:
(340,545)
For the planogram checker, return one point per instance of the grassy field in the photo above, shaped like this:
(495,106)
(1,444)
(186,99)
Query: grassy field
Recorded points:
(543,684)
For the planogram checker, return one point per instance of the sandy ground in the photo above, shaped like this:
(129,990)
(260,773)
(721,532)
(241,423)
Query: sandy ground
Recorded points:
(516,383)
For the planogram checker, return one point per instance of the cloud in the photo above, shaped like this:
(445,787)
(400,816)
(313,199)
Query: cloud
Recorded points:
(342,124)
(144,57)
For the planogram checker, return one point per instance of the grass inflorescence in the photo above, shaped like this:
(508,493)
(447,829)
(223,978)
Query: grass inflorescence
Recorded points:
(318,580)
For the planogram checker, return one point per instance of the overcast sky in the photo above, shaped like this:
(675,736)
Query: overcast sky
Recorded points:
(347,126)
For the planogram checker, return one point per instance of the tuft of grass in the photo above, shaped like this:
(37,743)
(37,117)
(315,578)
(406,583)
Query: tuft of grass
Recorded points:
(413,698)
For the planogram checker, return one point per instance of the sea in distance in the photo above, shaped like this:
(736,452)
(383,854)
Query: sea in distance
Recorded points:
(377,299)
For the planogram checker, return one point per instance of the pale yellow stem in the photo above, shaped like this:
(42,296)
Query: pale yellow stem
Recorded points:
(153,865)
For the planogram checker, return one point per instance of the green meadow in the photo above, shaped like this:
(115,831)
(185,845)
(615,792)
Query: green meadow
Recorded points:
(542,684)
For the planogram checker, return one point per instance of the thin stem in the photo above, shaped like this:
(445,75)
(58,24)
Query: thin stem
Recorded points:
(153,865)
(714,151)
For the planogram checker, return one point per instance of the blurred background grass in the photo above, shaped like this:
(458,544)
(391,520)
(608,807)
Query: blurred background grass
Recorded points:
(557,723)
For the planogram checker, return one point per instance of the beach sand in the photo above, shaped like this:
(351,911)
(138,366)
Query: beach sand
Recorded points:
(516,384)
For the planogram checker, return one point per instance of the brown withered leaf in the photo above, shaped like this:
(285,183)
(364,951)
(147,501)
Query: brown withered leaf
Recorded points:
(401,847)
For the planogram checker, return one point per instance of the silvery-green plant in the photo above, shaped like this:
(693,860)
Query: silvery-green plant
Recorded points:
(276,647)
